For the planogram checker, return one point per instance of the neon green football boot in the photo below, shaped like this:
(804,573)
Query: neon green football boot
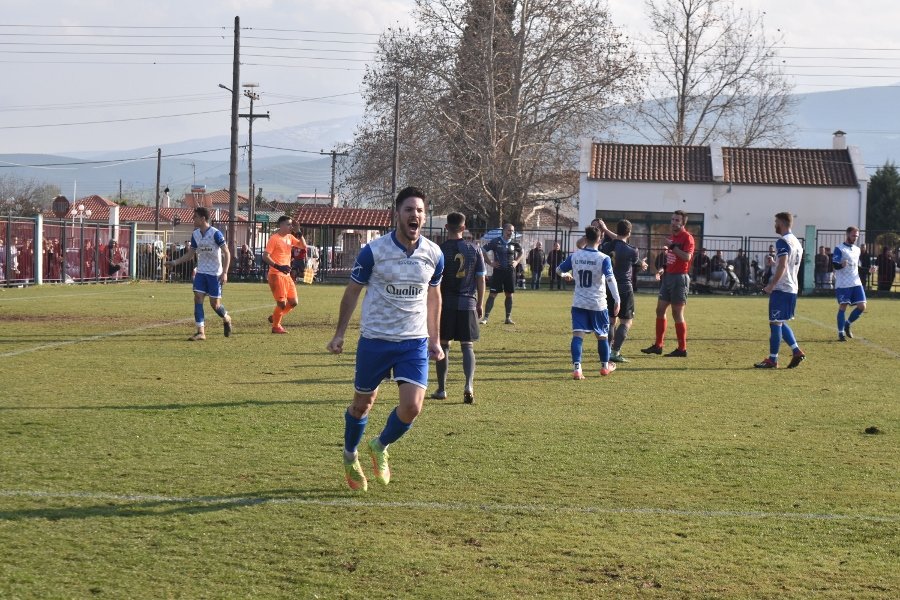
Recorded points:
(356,479)
(380,462)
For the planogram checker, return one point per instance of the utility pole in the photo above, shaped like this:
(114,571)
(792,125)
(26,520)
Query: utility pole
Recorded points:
(158,169)
(395,167)
(251,212)
(232,172)
(334,154)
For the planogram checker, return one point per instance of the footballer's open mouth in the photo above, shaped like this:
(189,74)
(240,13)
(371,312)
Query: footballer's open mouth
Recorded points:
(413,225)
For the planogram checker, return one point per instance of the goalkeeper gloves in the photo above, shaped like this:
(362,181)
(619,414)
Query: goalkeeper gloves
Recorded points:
(286,269)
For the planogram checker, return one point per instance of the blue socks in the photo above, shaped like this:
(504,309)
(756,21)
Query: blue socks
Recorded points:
(788,335)
(221,311)
(198,314)
(353,432)
(393,429)
(777,329)
(854,315)
(841,320)
(603,349)
(577,344)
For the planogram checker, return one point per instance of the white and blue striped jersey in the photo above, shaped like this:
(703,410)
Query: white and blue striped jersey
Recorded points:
(593,272)
(788,245)
(847,276)
(396,304)
(208,247)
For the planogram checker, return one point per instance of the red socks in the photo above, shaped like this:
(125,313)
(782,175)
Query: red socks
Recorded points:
(660,331)
(681,331)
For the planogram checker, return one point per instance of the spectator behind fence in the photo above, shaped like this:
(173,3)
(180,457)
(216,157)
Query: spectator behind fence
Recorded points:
(536,264)
(2,260)
(742,267)
(865,265)
(821,268)
(719,269)
(114,259)
(245,261)
(830,277)
(887,268)
(554,258)
(701,264)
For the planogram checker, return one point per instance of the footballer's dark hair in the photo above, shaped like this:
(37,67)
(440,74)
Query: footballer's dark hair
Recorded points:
(456,222)
(852,228)
(202,212)
(409,192)
(786,218)
(623,227)
(592,234)
(283,218)
(683,216)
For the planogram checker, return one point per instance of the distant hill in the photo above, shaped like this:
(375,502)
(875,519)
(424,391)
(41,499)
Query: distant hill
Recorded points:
(868,115)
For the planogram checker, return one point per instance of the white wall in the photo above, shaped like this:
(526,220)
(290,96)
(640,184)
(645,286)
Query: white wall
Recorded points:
(745,210)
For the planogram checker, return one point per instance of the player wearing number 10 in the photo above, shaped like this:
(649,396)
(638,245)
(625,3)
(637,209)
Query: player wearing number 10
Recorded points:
(592,273)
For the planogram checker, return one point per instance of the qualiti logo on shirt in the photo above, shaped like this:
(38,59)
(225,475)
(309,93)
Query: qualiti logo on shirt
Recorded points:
(403,291)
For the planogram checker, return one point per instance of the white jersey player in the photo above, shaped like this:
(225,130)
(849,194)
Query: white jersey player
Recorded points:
(592,272)
(848,285)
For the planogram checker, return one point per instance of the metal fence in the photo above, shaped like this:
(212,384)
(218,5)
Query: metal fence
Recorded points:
(37,251)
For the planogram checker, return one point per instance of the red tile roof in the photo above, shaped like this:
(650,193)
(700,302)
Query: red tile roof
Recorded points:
(359,218)
(636,162)
(693,164)
(786,166)
(215,198)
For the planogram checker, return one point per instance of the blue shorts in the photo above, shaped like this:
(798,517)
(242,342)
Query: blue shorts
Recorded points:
(376,359)
(782,306)
(850,295)
(596,321)
(208,284)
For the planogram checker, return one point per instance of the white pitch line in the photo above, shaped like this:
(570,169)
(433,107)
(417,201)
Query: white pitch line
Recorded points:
(52,296)
(856,336)
(103,336)
(448,506)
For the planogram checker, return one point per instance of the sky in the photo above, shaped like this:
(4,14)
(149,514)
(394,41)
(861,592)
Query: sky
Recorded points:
(65,88)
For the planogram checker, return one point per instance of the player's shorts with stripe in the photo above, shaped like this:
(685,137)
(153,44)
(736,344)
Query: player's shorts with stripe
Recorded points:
(376,359)
(782,305)
(674,288)
(208,284)
(590,321)
(626,303)
(503,280)
(460,325)
(282,286)
(850,295)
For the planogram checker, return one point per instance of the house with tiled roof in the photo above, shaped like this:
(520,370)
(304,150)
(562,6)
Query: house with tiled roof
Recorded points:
(725,191)
(214,199)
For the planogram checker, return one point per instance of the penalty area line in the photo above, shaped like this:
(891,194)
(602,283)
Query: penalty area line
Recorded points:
(103,336)
(239,501)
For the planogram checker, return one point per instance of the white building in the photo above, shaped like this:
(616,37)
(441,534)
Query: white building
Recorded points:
(725,191)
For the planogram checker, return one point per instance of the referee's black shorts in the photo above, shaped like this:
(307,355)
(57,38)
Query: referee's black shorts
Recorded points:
(503,280)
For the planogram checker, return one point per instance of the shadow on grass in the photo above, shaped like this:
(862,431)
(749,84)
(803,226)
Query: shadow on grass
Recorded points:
(148,506)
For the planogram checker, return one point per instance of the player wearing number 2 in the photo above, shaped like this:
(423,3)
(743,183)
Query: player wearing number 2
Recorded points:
(278,256)
(462,293)
(593,272)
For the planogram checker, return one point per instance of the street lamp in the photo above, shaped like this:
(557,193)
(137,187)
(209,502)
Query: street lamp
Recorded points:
(556,202)
(80,213)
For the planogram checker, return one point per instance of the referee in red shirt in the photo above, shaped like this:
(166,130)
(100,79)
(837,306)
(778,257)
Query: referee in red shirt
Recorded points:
(674,287)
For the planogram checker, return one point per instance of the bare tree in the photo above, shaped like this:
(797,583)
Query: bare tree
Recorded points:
(495,95)
(24,197)
(713,77)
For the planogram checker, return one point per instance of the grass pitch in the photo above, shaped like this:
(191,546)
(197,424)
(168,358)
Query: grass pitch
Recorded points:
(136,464)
